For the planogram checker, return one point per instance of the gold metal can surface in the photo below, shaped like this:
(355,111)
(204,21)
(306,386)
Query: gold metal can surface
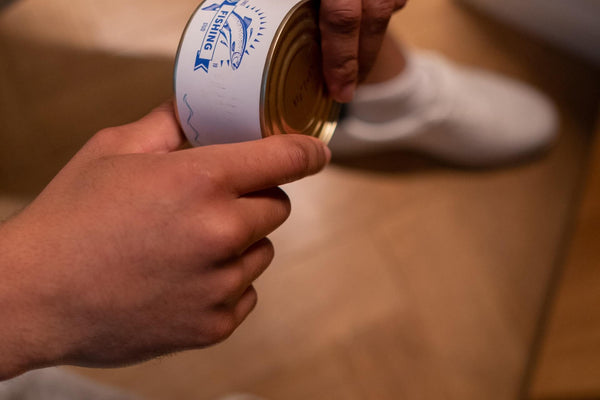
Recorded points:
(247,69)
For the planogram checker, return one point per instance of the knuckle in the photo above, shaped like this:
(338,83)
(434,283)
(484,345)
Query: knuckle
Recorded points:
(268,252)
(253,294)
(284,204)
(343,21)
(252,298)
(349,72)
(260,261)
(229,236)
(105,138)
(346,67)
(298,158)
(232,283)
(208,177)
(109,133)
(221,327)
(378,17)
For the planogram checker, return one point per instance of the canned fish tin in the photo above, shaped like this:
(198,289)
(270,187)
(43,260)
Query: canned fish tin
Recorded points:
(247,69)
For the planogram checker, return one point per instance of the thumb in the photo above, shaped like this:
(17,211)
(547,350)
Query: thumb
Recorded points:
(252,166)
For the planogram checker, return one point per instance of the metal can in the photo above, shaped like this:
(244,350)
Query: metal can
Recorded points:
(247,69)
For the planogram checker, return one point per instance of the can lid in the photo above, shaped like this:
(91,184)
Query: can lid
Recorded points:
(294,97)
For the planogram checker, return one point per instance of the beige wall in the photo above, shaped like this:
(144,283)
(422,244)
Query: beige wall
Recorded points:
(571,24)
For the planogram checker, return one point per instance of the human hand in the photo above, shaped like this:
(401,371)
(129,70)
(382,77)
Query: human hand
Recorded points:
(137,249)
(351,36)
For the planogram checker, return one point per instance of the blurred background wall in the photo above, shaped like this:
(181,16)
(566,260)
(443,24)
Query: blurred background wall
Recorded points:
(572,25)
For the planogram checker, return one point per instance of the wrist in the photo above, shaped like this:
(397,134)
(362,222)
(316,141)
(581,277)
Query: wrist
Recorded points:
(26,333)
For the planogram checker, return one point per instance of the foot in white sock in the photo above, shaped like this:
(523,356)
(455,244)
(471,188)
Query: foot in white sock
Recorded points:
(460,115)
(241,396)
(57,384)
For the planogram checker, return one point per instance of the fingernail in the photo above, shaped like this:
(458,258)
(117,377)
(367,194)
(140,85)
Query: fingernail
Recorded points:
(347,93)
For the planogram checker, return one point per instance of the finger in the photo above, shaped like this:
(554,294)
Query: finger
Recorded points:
(248,167)
(235,224)
(255,261)
(234,277)
(245,305)
(375,20)
(264,212)
(157,132)
(340,23)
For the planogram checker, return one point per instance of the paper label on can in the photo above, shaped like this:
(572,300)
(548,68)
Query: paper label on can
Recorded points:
(234,30)
(220,67)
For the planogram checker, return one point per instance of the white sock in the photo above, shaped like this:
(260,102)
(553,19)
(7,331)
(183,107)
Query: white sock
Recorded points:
(392,99)
(57,384)
(458,114)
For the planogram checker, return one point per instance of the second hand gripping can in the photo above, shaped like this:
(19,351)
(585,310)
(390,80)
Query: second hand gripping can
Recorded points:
(247,69)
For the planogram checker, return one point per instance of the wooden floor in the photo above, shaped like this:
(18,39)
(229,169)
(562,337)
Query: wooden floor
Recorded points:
(395,278)
(567,361)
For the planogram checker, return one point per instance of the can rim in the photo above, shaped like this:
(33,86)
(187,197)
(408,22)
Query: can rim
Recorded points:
(329,124)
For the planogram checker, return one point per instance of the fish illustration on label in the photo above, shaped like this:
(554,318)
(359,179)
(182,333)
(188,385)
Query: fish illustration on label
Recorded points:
(238,35)
(235,27)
